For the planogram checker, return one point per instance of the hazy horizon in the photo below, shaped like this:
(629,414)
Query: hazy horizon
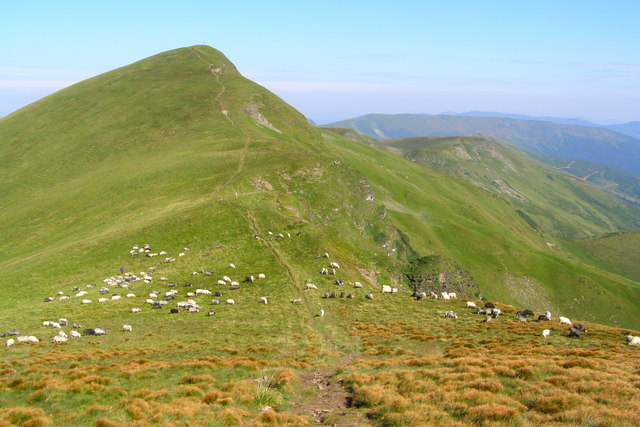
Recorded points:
(335,61)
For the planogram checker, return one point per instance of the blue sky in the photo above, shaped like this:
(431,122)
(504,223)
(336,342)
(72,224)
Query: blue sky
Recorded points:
(338,59)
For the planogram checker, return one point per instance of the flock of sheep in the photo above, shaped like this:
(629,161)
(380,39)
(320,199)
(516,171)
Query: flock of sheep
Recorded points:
(123,285)
(491,312)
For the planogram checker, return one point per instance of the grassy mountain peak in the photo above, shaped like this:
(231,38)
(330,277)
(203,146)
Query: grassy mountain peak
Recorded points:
(223,180)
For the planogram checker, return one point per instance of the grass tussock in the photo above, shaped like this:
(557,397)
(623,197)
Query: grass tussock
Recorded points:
(271,417)
(24,415)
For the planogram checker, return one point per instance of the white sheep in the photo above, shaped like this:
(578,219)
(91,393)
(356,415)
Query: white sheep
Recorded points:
(261,276)
(230,301)
(221,282)
(135,310)
(232,266)
(226,278)
(131,295)
(115,297)
(263,300)
(62,334)
(334,265)
(59,340)
(22,338)
(149,301)
(46,323)
(453,295)
(565,321)
(546,333)
(63,322)
(81,294)
(311,286)
(357,285)
(33,340)
(126,328)
(394,290)
(321,313)
(445,296)
(635,341)
(471,304)
(386,289)
(75,334)
(100,300)
(153,295)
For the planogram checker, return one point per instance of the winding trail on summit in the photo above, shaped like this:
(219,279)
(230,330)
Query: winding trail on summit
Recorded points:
(330,398)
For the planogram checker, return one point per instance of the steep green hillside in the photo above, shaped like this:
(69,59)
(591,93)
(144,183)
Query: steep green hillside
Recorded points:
(619,182)
(180,152)
(550,201)
(552,139)
(615,251)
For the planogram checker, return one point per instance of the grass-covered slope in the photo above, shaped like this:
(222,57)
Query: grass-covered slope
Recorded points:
(550,201)
(552,139)
(180,151)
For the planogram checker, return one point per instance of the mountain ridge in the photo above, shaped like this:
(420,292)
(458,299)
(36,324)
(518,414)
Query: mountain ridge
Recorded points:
(565,141)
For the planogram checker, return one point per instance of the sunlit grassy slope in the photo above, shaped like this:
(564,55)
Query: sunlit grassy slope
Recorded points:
(180,151)
(551,201)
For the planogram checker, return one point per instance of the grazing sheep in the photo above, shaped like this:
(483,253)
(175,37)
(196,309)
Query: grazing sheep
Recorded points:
(215,302)
(546,333)
(261,276)
(445,296)
(130,295)
(350,296)
(226,279)
(311,286)
(296,300)
(321,313)
(548,314)
(230,301)
(574,333)
(357,285)
(334,265)
(59,340)
(101,300)
(232,266)
(135,310)
(234,286)
(449,314)
(11,332)
(369,296)
(579,327)
(127,328)
(46,323)
(211,313)
(174,311)
(489,305)
(635,341)
(471,304)
(564,321)
(324,271)
(453,295)
(75,334)
(62,334)
(394,290)
(421,295)
(86,301)
(249,279)
(543,317)
(63,322)
(386,289)
(115,297)
(528,312)
(521,316)
(339,282)
(10,342)
(77,325)
(263,300)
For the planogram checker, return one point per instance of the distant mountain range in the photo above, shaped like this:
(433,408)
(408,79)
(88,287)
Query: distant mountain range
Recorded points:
(630,128)
(569,141)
